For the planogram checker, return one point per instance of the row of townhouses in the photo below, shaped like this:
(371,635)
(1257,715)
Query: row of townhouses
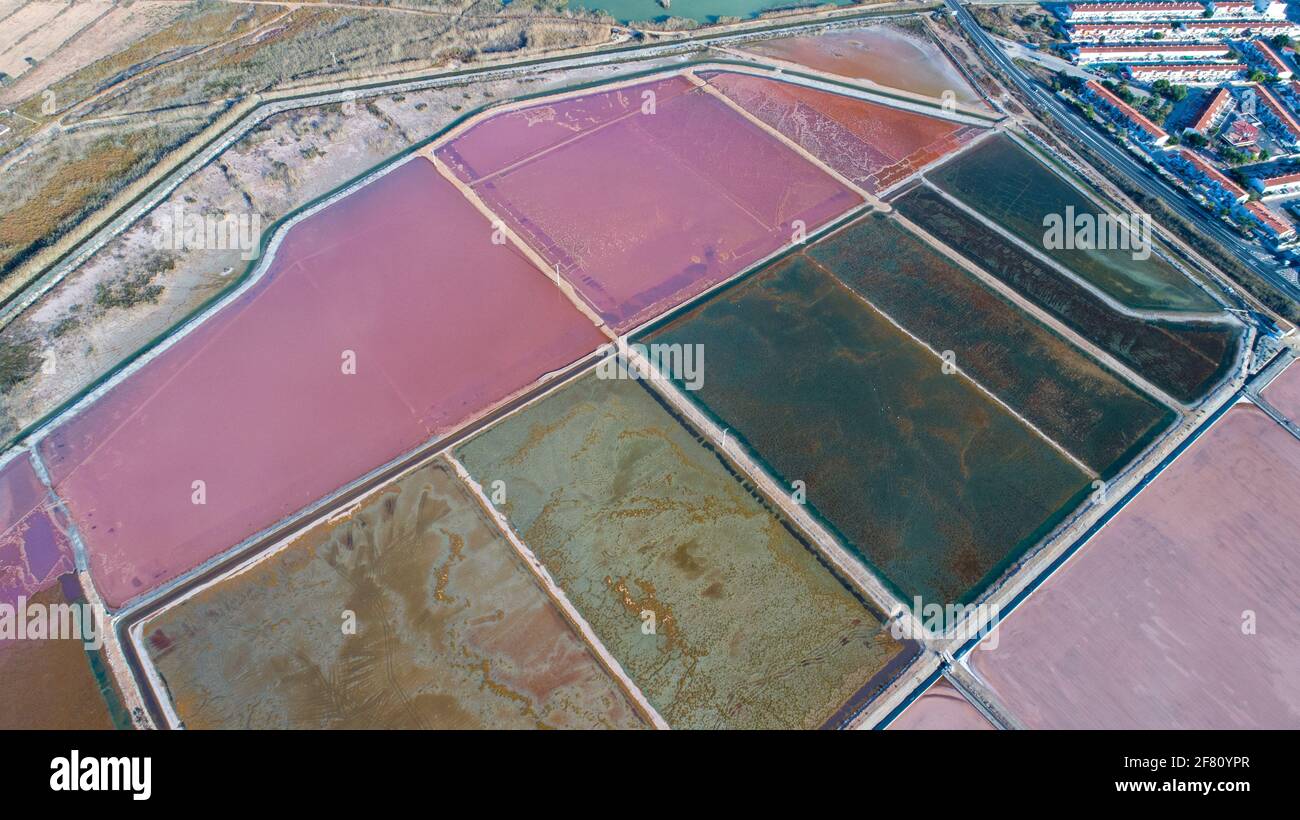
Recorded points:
(1167,10)
(1180,30)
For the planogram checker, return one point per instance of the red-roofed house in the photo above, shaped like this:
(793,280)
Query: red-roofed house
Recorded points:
(1123,11)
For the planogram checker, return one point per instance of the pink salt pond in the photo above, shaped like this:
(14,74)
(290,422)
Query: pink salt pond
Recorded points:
(1183,612)
(34,551)
(385,320)
(644,196)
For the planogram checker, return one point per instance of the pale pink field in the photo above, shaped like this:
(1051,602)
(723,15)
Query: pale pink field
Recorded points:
(401,277)
(1284,392)
(34,551)
(1183,612)
(941,707)
(641,208)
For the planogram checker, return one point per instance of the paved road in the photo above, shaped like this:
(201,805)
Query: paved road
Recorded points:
(1245,251)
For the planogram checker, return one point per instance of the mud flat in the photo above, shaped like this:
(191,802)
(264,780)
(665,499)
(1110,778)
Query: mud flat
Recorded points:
(646,195)
(46,681)
(1085,408)
(1007,184)
(872,145)
(941,707)
(884,54)
(1183,612)
(386,319)
(452,631)
(1183,359)
(927,478)
(1284,392)
(715,608)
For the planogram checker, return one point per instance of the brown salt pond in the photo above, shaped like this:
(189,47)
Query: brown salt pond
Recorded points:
(47,681)
(941,707)
(451,630)
(886,55)
(1183,612)
(644,196)
(386,319)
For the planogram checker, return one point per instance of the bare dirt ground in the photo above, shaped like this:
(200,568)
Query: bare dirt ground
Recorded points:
(108,34)
(85,85)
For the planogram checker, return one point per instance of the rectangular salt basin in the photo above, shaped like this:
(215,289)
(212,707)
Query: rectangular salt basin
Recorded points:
(385,320)
(1184,359)
(452,631)
(872,145)
(930,481)
(884,54)
(1183,612)
(646,195)
(49,682)
(640,522)
(55,682)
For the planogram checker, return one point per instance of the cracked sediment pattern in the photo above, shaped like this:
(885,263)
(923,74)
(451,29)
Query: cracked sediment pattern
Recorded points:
(637,521)
(451,630)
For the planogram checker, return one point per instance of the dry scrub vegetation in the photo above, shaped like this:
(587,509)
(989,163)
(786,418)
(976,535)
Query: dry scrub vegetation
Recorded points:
(79,142)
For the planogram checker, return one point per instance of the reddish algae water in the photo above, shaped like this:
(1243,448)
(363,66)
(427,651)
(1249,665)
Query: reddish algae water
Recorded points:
(644,196)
